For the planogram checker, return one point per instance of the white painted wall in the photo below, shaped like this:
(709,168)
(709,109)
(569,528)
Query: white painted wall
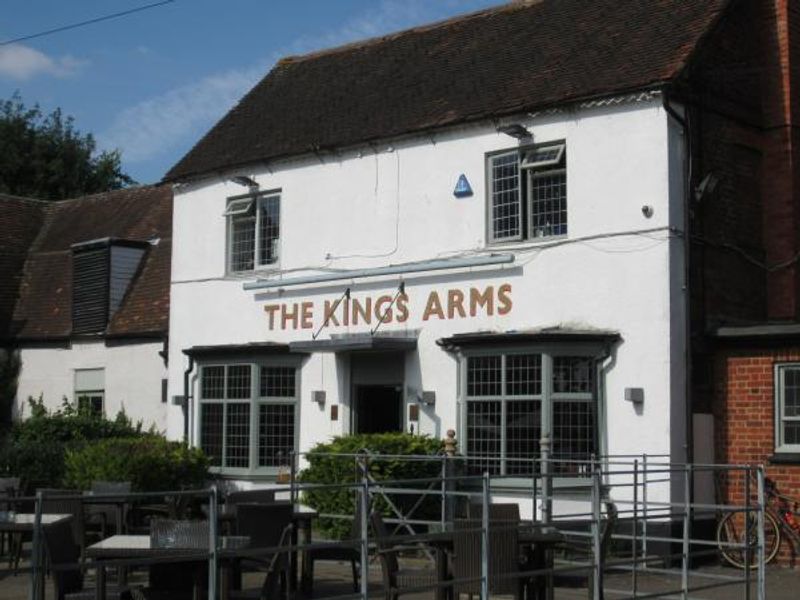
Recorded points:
(603,276)
(133,374)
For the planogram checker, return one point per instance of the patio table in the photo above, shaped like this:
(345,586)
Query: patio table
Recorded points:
(20,522)
(133,548)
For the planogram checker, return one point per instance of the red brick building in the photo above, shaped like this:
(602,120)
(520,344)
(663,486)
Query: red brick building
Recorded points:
(744,96)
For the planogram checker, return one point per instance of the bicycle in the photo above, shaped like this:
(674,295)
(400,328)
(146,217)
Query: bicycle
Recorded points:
(781,518)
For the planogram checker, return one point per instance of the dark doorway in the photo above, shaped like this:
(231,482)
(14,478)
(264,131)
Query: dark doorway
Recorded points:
(378,408)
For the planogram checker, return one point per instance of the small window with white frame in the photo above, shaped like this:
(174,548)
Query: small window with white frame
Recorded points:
(253,231)
(527,193)
(787,407)
(90,391)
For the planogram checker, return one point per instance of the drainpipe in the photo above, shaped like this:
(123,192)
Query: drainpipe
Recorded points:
(186,397)
(684,123)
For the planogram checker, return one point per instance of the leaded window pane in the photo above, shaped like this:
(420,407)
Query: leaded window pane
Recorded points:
(211,418)
(524,374)
(243,243)
(505,196)
(573,436)
(237,435)
(484,422)
(523,431)
(484,376)
(572,375)
(269,230)
(277,382)
(791,393)
(275,434)
(239,382)
(548,203)
(213,383)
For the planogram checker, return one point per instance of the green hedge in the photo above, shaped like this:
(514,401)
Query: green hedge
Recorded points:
(150,463)
(324,466)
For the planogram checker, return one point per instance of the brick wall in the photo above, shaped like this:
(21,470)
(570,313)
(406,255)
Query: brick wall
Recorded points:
(743,408)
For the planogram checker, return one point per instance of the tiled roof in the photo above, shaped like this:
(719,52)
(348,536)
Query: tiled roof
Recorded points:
(20,220)
(518,57)
(43,309)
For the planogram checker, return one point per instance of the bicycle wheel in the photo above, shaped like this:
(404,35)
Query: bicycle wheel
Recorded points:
(731,538)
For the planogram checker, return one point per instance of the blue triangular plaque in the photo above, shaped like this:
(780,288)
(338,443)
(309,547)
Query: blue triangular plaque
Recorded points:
(463,188)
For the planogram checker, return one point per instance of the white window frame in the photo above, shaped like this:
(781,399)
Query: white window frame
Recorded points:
(255,401)
(780,417)
(249,207)
(528,170)
(90,393)
(548,397)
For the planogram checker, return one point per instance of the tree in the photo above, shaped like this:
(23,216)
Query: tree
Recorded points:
(45,157)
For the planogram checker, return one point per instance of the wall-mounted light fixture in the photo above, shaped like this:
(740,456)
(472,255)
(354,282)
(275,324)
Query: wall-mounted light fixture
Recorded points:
(244,180)
(634,395)
(515,130)
(318,396)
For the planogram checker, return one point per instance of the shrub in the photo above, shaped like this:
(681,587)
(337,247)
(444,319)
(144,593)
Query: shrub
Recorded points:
(324,466)
(150,463)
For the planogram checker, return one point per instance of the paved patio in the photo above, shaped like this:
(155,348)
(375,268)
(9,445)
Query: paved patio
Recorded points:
(333,579)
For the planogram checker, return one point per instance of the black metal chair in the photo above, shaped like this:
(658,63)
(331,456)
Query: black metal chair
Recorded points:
(64,555)
(581,549)
(397,581)
(264,524)
(66,502)
(503,557)
(344,552)
(277,573)
(105,514)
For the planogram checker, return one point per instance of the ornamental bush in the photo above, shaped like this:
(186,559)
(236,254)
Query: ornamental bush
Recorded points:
(332,463)
(150,463)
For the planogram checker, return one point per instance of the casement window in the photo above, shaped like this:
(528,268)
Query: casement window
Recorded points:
(253,231)
(90,390)
(248,415)
(787,408)
(527,193)
(513,398)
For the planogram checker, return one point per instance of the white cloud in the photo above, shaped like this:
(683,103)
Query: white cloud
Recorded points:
(23,62)
(153,127)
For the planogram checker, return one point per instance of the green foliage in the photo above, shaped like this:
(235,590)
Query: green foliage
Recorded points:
(327,465)
(70,424)
(9,372)
(45,157)
(150,463)
(35,448)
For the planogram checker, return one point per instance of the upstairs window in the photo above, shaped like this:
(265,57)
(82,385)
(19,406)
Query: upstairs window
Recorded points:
(787,408)
(253,231)
(527,193)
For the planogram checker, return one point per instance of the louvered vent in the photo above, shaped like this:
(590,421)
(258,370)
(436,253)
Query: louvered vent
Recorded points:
(90,289)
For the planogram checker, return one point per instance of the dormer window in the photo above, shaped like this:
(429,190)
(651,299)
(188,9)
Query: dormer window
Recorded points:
(527,193)
(102,271)
(253,231)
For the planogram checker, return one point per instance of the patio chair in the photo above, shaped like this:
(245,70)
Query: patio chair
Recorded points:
(341,553)
(582,548)
(397,581)
(177,580)
(64,555)
(264,524)
(105,514)
(503,554)
(277,573)
(66,502)
(9,488)
(250,496)
(498,512)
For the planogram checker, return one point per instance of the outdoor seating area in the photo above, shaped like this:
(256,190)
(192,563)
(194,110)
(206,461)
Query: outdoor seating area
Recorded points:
(485,540)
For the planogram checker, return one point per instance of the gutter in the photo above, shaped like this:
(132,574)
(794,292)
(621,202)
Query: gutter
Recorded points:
(186,397)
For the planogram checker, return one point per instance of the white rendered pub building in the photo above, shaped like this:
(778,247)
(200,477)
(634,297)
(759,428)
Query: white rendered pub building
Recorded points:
(476,225)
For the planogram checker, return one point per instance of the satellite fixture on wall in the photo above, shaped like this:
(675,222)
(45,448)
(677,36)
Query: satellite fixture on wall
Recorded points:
(463,188)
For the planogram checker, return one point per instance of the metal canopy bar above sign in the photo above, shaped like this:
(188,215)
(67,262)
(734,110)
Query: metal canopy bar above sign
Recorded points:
(357,342)
(399,269)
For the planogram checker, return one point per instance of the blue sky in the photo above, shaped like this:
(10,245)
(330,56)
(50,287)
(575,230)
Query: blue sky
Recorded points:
(153,82)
